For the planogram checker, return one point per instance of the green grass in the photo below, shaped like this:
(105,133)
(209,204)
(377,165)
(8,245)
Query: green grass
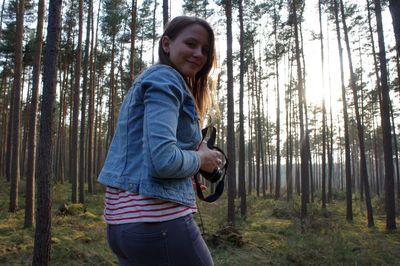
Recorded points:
(271,234)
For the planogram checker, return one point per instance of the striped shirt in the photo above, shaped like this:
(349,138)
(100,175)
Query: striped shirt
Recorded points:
(125,207)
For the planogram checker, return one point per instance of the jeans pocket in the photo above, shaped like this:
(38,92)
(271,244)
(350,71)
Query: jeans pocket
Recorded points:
(145,248)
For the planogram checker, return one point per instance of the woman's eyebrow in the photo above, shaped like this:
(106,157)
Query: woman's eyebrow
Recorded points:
(191,38)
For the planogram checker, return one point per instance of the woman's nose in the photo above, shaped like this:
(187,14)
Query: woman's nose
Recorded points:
(198,51)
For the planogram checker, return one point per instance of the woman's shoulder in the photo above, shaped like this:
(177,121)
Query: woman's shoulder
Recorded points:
(161,71)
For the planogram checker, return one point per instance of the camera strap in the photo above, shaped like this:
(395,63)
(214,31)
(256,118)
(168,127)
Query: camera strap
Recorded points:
(220,186)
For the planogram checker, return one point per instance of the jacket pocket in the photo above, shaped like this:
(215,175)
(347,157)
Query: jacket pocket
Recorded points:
(188,123)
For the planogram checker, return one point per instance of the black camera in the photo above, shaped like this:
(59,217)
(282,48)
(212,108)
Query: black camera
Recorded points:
(218,175)
(212,177)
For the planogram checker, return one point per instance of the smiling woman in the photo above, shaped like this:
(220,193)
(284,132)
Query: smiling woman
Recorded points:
(186,38)
(188,52)
(156,150)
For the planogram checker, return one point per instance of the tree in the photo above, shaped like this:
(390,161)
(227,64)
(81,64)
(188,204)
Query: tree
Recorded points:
(165,12)
(360,126)
(324,131)
(153,32)
(133,39)
(41,253)
(31,167)
(75,174)
(278,111)
(349,205)
(197,9)
(394,6)
(83,149)
(304,146)
(111,22)
(242,180)
(385,120)
(17,85)
(231,116)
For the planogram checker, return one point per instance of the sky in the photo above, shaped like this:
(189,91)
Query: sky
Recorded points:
(314,84)
(316,89)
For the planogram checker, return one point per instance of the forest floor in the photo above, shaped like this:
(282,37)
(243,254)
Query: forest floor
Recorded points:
(272,233)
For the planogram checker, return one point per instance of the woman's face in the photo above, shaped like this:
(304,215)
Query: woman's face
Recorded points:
(188,52)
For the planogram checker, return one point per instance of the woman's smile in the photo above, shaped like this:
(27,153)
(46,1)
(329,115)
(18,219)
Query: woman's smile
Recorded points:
(188,51)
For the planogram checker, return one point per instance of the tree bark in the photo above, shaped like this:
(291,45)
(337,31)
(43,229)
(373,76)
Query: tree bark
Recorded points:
(41,253)
(360,126)
(242,180)
(17,85)
(324,130)
(303,139)
(92,88)
(133,40)
(385,120)
(165,12)
(31,167)
(75,174)
(278,114)
(231,117)
(349,203)
(394,7)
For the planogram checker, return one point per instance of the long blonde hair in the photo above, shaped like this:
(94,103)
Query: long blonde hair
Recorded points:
(199,84)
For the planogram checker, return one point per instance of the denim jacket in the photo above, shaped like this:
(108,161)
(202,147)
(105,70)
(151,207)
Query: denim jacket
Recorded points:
(153,150)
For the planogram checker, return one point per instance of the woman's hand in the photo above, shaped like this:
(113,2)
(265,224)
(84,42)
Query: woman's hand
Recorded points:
(210,159)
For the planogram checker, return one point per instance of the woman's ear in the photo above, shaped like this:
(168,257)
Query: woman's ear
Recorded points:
(166,41)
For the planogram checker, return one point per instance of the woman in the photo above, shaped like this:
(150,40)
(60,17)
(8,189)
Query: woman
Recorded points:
(156,150)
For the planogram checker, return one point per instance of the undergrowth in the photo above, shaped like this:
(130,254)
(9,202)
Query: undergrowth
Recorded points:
(272,233)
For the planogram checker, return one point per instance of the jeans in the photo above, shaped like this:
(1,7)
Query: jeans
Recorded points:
(176,242)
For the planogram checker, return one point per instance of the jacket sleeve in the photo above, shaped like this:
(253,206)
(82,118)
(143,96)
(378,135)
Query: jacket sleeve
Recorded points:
(163,96)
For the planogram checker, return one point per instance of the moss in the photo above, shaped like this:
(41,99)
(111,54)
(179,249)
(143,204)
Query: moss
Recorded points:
(271,234)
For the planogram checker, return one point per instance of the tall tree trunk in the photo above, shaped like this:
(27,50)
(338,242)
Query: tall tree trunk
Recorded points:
(289,142)
(324,131)
(385,120)
(97,109)
(9,133)
(111,101)
(60,144)
(4,136)
(360,126)
(41,253)
(231,117)
(260,153)
(330,130)
(378,84)
(303,138)
(250,147)
(165,12)
(75,175)
(31,167)
(82,138)
(394,6)
(1,15)
(153,32)
(262,130)
(349,205)
(92,88)
(242,179)
(133,40)
(278,111)
(17,86)
(395,150)
(377,163)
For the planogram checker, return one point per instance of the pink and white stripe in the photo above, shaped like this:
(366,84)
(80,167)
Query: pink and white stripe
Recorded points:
(125,207)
